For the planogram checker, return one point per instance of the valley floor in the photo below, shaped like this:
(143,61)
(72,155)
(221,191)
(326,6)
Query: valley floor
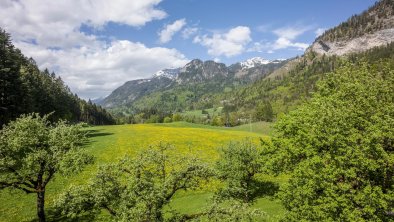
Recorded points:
(110,143)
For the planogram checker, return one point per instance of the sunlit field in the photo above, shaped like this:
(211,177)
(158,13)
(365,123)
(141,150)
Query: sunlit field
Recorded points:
(110,143)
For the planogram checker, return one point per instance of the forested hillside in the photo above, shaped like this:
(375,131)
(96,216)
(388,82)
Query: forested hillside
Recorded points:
(26,89)
(285,92)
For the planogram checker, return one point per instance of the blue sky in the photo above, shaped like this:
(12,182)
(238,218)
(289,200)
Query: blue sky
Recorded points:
(95,46)
(261,16)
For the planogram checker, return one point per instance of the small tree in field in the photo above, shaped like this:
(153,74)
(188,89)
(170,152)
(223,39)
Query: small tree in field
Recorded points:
(32,151)
(238,164)
(136,189)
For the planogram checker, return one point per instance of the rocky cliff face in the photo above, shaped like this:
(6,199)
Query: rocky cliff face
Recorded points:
(198,71)
(255,68)
(355,45)
(373,27)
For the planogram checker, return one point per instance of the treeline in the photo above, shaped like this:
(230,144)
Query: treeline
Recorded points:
(374,19)
(222,116)
(26,89)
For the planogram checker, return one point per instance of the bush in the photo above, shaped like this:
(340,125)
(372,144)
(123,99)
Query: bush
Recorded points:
(167,119)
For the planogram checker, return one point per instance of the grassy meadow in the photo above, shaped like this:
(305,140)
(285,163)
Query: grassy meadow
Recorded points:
(110,143)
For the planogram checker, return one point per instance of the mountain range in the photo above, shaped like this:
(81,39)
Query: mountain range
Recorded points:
(196,72)
(246,87)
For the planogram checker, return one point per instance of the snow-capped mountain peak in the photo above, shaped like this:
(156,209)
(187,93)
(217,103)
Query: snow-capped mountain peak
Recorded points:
(253,62)
(169,73)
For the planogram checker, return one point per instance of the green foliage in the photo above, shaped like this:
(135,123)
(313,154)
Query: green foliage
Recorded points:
(136,189)
(176,117)
(238,165)
(339,148)
(32,152)
(153,119)
(167,119)
(264,112)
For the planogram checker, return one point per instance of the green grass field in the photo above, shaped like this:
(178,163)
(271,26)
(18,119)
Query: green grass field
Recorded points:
(110,143)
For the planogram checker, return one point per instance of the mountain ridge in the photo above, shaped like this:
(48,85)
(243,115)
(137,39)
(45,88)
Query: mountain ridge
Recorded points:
(194,72)
(372,28)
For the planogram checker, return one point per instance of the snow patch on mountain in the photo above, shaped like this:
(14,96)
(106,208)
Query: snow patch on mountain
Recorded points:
(253,62)
(168,73)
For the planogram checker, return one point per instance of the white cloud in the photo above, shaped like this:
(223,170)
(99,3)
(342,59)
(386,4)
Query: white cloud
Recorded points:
(96,72)
(188,32)
(287,35)
(57,23)
(320,31)
(291,32)
(283,43)
(169,30)
(49,31)
(229,44)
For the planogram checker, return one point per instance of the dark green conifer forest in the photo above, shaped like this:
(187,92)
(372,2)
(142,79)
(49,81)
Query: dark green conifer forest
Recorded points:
(26,89)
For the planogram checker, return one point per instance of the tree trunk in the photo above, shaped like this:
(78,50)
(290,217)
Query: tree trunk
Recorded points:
(40,205)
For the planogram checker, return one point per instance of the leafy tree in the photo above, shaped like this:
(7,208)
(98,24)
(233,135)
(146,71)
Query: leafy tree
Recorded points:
(238,165)
(167,119)
(32,152)
(339,148)
(176,117)
(136,189)
(217,121)
(264,112)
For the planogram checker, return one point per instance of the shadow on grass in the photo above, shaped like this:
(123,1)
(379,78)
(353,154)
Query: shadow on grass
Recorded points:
(97,133)
(257,189)
(54,215)
(265,189)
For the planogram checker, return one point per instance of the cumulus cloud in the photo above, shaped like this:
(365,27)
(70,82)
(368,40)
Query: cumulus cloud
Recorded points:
(286,37)
(283,43)
(96,72)
(57,23)
(49,31)
(169,30)
(229,43)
